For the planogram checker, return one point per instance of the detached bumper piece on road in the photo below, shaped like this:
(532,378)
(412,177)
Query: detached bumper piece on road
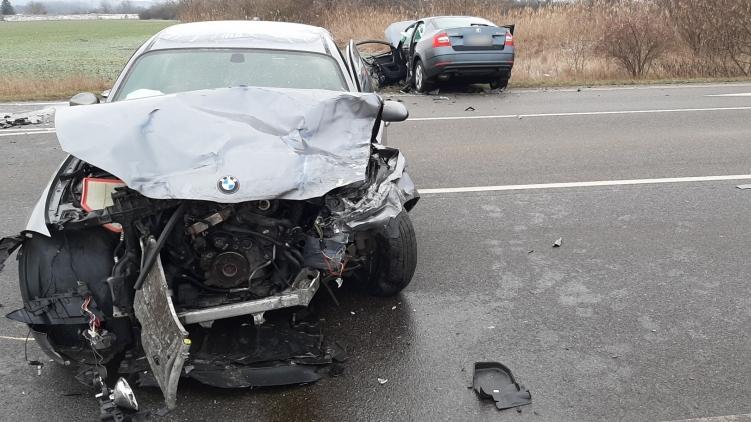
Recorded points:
(494,381)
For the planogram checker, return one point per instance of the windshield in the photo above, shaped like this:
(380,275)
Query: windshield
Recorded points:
(460,22)
(171,71)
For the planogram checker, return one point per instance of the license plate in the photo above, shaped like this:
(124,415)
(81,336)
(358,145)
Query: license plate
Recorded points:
(478,40)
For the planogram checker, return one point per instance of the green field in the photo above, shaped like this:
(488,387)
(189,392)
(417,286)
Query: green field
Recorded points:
(45,54)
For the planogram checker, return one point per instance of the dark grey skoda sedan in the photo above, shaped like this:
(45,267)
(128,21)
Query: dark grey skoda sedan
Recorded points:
(454,47)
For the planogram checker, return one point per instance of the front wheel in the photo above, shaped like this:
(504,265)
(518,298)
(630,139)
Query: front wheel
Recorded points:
(394,261)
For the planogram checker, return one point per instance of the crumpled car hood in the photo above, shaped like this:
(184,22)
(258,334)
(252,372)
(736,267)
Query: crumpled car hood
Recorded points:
(394,32)
(276,143)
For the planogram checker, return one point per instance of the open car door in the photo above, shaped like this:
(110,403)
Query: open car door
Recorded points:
(360,71)
(385,62)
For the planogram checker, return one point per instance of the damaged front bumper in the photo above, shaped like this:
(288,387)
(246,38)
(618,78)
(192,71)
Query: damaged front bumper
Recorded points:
(300,293)
(166,343)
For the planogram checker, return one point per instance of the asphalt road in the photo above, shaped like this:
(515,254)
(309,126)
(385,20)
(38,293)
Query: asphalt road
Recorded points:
(642,314)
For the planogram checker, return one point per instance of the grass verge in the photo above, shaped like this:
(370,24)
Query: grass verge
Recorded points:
(56,59)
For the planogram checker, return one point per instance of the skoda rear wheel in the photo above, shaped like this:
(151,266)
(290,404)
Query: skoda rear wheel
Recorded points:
(421,81)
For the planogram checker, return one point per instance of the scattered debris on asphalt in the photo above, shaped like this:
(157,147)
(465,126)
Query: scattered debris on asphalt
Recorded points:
(558,242)
(743,186)
(470,108)
(45,115)
(494,381)
(434,92)
(441,98)
(382,381)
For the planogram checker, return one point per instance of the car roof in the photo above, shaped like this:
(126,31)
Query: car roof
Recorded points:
(242,34)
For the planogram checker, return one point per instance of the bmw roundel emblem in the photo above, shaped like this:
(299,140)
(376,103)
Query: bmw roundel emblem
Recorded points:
(228,184)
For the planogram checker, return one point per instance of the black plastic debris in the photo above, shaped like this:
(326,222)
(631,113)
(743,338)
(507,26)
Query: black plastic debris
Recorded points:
(470,108)
(494,381)
(241,355)
(558,242)
(29,118)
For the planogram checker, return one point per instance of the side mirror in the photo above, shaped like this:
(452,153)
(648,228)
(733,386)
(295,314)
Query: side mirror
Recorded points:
(394,111)
(84,98)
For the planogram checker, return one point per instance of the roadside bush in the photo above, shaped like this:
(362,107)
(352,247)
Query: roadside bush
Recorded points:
(689,19)
(635,35)
(729,33)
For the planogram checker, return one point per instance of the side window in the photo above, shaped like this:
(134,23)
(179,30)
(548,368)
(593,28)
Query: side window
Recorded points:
(360,71)
(419,31)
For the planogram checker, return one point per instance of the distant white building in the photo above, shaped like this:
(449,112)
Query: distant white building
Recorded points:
(81,17)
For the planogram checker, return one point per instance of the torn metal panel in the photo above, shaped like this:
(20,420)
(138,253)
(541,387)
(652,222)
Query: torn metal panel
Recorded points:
(388,192)
(164,339)
(183,146)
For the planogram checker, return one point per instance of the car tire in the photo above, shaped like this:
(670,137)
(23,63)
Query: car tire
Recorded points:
(393,263)
(500,83)
(419,79)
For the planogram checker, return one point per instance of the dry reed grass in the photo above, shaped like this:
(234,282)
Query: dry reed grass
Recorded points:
(556,44)
(26,89)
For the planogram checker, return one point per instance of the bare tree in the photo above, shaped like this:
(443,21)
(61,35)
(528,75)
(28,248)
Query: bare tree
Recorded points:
(635,35)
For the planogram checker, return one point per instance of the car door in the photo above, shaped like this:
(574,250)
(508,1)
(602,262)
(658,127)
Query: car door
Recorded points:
(363,80)
(416,36)
(360,72)
(384,61)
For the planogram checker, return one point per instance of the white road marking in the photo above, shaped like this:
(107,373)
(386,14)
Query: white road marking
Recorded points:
(740,94)
(585,184)
(16,338)
(582,113)
(27,129)
(728,418)
(42,103)
(37,132)
(582,88)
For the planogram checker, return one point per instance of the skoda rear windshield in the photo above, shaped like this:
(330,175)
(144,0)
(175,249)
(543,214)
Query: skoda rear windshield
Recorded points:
(180,70)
